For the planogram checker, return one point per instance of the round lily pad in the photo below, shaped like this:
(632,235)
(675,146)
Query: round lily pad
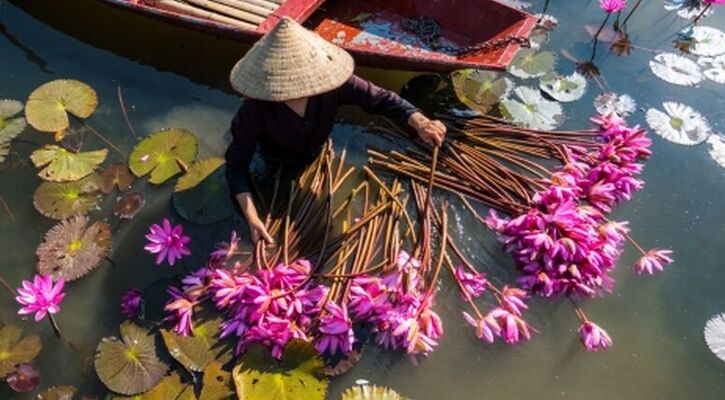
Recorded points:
(676,69)
(48,106)
(216,384)
(129,366)
(608,102)
(531,110)
(161,153)
(207,202)
(197,173)
(564,88)
(708,41)
(15,349)
(713,68)
(299,375)
(679,124)
(717,149)
(529,64)
(24,379)
(129,205)
(371,392)
(715,335)
(62,165)
(10,127)
(197,351)
(72,249)
(60,200)
(116,175)
(480,90)
(171,387)
(57,393)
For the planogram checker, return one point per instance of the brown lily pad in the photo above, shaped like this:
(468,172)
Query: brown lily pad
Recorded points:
(15,349)
(24,379)
(129,205)
(58,393)
(116,175)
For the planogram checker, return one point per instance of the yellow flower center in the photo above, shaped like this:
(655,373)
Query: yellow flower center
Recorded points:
(74,246)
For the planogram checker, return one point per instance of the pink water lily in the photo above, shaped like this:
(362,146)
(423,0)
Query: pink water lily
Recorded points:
(472,284)
(512,299)
(131,303)
(336,332)
(513,328)
(40,296)
(223,251)
(593,337)
(612,6)
(167,242)
(181,308)
(486,328)
(653,261)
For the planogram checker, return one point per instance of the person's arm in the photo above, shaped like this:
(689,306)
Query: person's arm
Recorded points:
(376,100)
(245,130)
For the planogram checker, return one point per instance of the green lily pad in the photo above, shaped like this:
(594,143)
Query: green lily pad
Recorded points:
(15,349)
(371,392)
(197,351)
(480,90)
(57,393)
(170,388)
(529,64)
(60,200)
(10,127)
(160,154)
(564,88)
(129,366)
(207,202)
(531,110)
(217,383)
(197,173)
(62,165)
(48,106)
(299,375)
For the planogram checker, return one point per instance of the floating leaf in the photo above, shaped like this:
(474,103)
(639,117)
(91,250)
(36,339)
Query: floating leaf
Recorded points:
(197,351)
(564,88)
(116,175)
(129,366)
(128,205)
(607,103)
(197,173)
(58,393)
(345,364)
(15,349)
(158,154)
(62,165)
(10,127)
(170,388)
(299,375)
(24,379)
(529,64)
(60,200)
(688,9)
(676,69)
(714,68)
(717,149)
(707,41)
(532,111)
(72,249)
(207,202)
(715,335)
(367,392)
(480,90)
(679,124)
(48,106)
(217,383)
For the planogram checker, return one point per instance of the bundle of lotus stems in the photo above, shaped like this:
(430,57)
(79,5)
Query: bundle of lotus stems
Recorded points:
(245,14)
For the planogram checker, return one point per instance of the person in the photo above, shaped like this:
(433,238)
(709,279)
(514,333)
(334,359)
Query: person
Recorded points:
(293,81)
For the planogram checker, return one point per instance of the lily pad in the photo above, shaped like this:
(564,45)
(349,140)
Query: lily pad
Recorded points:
(129,205)
(24,379)
(216,384)
(170,387)
(676,69)
(48,106)
(58,393)
(529,64)
(564,88)
(60,200)
(158,154)
(197,351)
(116,175)
(129,366)
(707,41)
(62,165)
(608,103)
(299,375)
(717,149)
(72,249)
(371,392)
(679,124)
(480,90)
(15,349)
(532,110)
(688,9)
(714,68)
(10,127)
(207,202)
(197,173)
(715,335)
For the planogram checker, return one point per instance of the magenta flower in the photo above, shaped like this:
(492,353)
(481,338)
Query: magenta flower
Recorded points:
(714,2)
(473,284)
(167,242)
(336,332)
(131,303)
(653,261)
(368,299)
(486,328)
(612,6)
(512,299)
(182,309)
(40,296)
(513,328)
(594,337)
(223,251)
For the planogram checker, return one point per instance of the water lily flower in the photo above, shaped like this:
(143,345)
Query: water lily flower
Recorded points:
(512,299)
(223,251)
(486,328)
(513,328)
(594,337)
(653,261)
(40,296)
(131,303)
(612,6)
(182,309)
(368,298)
(473,284)
(336,332)
(167,242)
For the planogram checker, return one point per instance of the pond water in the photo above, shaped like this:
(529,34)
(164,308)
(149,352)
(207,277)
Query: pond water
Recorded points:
(175,77)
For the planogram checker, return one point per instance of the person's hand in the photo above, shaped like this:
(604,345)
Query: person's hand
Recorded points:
(259,232)
(430,131)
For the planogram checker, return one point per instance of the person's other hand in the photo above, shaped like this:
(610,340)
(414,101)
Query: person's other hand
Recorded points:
(430,131)
(259,232)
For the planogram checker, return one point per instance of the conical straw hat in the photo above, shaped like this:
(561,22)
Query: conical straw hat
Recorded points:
(290,62)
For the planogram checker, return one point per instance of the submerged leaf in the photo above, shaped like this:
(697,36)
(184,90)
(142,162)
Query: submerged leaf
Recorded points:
(15,349)
(717,149)
(158,154)
(480,90)
(72,249)
(707,41)
(532,111)
(207,202)
(48,106)
(676,69)
(62,165)
(58,393)
(529,64)
(714,68)
(128,205)
(197,173)
(368,392)
(715,335)
(679,124)
(607,103)
(197,351)
(564,88)
(216,384)
(24,379)
(299,376)
(116,175)
(60,200)
(129,366)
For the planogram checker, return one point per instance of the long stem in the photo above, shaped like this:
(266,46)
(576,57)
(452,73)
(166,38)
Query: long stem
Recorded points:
(7,208)
(54,324)
(7,286)
(122,104)
(704,10)
(596,37)
(626,19)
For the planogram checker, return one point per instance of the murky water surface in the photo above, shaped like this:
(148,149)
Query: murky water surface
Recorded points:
(175,77)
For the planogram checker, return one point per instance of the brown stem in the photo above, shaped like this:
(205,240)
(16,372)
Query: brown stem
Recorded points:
(125,114)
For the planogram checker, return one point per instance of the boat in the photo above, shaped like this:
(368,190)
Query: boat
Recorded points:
(416,35)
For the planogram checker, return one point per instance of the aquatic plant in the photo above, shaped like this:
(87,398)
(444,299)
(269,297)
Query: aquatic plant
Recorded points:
(48,106)
(129,205)
(40,296)
(61,165)
(10,125)
(163,154)
(167,242)
(679,124)
(715,335)
(612,6)
(16,348)
(676,69)
(24,379)
(132,303)
(371,392)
